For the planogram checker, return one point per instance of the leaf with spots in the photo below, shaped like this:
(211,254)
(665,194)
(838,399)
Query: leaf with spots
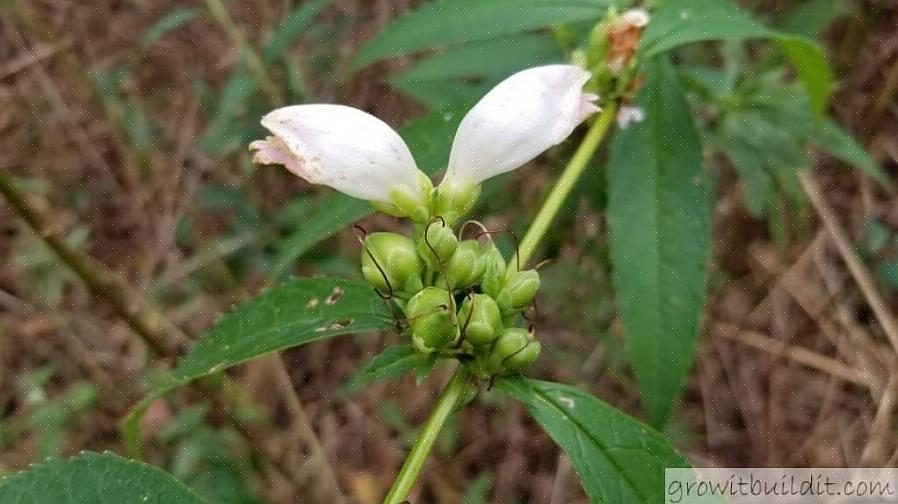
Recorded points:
(294,313)
(617,458)
(97,478)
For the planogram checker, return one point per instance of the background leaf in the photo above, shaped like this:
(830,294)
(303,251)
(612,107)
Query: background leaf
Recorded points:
(660,220)
(454,21)
(617,458)
(173,20)
(681,22)
(95,478)
(831,138)
(393,362)
(294,313)
(460,75)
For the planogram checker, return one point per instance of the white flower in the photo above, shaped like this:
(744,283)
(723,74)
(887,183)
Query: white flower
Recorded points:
(338,146)
(628,115)
(358,154)
(517,120)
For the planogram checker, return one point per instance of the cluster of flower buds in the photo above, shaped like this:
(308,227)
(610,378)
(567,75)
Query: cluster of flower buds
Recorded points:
(460,298)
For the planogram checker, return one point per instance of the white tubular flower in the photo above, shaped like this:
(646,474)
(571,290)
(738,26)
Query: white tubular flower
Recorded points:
(517,120)
(357,154)
(346,149)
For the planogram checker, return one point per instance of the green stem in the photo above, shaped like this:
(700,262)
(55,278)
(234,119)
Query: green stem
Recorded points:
(407,476)
(565,184)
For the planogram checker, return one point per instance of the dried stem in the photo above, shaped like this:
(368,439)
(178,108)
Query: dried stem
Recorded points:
(148,322)
(858,270)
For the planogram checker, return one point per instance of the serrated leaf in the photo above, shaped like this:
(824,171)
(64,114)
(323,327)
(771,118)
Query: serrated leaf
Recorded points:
(95,478)
(660,221)
(296,312)
(679,22)
(460,75)
(393,362)
(428,138)
(617,458)
(173,20)
(454,21)
(831,138)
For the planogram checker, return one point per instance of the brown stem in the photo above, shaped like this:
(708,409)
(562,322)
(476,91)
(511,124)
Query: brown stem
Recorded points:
(152,327)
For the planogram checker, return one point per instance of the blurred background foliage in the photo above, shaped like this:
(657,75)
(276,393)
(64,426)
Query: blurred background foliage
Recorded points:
(126,121)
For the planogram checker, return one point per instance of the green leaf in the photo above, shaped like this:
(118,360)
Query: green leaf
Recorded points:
(455,21)
(617,458)
(679,22)
(95,478)
(660,221)
(460,75)
(171,21)
(296,312)
(831,138)
(292,27)
(810,17)
(393,362)
(809,62)
(429,139)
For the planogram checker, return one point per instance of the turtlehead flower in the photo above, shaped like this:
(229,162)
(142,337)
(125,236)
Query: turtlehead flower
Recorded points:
(359,155)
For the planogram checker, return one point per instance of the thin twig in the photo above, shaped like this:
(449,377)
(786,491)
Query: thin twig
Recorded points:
(149,323)
(860,272)
(794,353)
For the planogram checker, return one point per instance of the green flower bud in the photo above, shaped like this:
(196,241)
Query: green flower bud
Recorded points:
(406,202)
(430,316)
(480,320)
(515,349)
(524,358)
(437,244)
(465,267)
(510,342)
(453,200)
(519,290)
(396,257)
(494,271)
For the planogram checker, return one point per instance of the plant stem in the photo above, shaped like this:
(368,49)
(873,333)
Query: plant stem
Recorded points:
(565,184)
(407,476)
(253,61)
(147,321)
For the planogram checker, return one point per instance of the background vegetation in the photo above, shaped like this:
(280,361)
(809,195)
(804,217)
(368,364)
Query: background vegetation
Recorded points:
(123,127)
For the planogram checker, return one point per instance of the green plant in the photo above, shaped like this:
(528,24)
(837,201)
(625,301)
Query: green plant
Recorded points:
(455,295)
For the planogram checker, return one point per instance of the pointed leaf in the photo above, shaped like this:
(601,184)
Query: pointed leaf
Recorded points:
(97,478)
(294,313)
(393,362)
(660,220)
(617,458)
(833,139)
(454,21)
(679,22)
